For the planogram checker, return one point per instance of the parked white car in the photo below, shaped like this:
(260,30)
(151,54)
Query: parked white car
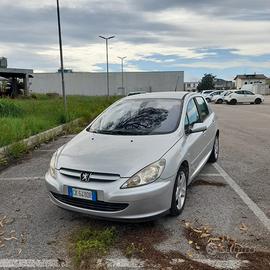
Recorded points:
(206,92)
(244,96)
(219,99)
(213,94)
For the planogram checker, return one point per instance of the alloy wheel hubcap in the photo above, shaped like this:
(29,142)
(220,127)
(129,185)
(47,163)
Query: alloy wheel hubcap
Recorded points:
(181,190)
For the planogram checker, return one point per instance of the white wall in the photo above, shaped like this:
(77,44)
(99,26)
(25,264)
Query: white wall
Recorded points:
(94,84)
(241,82)
(263,89)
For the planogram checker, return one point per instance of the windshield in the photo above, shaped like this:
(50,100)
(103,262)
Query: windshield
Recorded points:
(139,117)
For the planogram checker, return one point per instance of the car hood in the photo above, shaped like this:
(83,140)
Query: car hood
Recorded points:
(123,155)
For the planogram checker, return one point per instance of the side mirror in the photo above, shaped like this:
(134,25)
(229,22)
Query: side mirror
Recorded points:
(198,127)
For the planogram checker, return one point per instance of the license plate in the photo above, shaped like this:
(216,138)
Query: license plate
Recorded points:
(82,194)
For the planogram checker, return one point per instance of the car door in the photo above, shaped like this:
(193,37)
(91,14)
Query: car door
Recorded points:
(250,97)
(239,96)
(193,141)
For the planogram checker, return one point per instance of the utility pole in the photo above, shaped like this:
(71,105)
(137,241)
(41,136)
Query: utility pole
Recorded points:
(107,60)
(61,58)
(122,68)
(177,83)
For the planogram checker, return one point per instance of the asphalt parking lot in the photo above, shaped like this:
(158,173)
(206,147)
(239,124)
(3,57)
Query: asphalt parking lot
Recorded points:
(229,200)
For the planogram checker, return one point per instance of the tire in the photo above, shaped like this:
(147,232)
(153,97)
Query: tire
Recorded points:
(215,151)
(208,100)
(258,101)
(219,101)
(179,196)
(233,102)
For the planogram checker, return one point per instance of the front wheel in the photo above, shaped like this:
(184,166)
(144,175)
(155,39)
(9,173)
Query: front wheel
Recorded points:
(179,192)
(208,100)
(215,151)
(258,101)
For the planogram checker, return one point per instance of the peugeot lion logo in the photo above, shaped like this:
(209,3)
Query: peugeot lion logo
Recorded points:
(85,177)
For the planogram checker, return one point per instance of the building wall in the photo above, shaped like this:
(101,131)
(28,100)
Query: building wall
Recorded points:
(94,84)
(241,82)
(257,88)
(191,86)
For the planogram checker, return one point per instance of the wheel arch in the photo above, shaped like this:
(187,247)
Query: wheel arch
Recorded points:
(185,164)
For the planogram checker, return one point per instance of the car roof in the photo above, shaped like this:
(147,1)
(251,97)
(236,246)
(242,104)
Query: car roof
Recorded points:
(172,94)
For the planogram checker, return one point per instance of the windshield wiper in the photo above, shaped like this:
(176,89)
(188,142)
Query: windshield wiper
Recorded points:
(119,132)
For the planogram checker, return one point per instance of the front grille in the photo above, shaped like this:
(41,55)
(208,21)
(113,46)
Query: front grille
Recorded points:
(98,205)
(94,176)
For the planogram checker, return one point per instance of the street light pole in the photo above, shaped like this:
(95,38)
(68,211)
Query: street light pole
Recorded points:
(107,60)
(122,65)
(61,58)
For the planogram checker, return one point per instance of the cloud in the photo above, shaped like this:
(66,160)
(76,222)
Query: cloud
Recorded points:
(226,64)
(161,34)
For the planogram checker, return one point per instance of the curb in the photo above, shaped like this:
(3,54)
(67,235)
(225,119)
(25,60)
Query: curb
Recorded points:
(39,138)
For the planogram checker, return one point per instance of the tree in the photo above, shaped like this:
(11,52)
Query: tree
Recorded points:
(207,82)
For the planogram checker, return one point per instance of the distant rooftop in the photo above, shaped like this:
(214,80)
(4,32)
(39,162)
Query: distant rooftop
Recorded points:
(15,72)
(251,76)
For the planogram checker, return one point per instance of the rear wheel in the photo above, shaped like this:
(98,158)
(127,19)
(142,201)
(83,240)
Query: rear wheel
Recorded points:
(233,102)
(215,151)
(258,101)
(219,101)
(179,192)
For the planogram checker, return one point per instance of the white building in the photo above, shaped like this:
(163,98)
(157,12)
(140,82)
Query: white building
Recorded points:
(191,86)
(241,80)
(94,84)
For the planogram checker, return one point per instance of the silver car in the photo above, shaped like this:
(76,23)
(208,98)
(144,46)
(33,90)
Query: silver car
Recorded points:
(136,159)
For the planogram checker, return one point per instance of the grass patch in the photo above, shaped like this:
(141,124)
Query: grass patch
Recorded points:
(22,118)
(9,109)
(89,244)
(16,150)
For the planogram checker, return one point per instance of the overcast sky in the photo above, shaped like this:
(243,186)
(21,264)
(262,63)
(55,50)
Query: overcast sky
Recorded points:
(197,36)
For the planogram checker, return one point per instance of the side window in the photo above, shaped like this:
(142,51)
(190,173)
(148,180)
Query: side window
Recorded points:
(239,92)
(203,108)
(248,93)
(192,113)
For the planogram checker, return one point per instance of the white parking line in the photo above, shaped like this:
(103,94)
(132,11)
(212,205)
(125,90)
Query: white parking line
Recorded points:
(21,178)
(46,150)
(209,174)
(124,263)
(224,264)
(252,206)
(28,263)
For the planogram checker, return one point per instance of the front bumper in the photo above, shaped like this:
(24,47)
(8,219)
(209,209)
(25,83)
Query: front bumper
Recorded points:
(127,204)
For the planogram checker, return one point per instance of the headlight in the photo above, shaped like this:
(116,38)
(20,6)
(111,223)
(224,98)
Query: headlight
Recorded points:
(147,175)
(53,165)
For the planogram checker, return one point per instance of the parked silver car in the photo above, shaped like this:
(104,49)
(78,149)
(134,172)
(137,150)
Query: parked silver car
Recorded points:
(136,159)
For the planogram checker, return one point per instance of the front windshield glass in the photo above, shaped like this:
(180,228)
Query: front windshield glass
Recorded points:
(139,117)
